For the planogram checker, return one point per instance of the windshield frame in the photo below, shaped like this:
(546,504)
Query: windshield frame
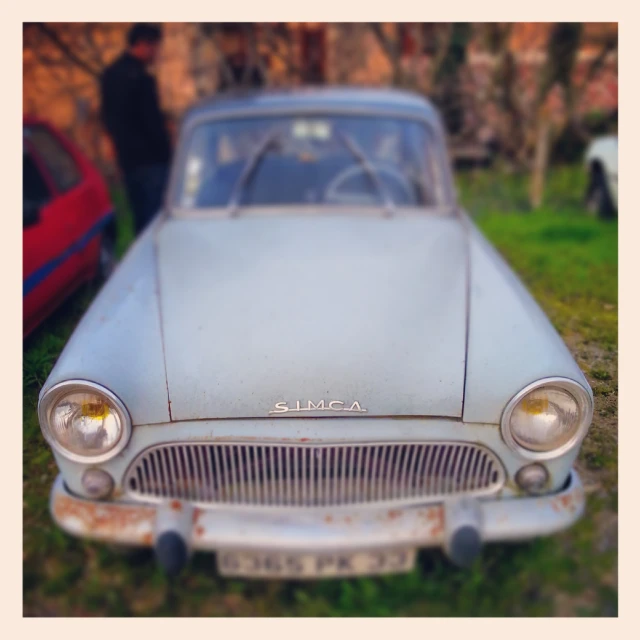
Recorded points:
(440,166)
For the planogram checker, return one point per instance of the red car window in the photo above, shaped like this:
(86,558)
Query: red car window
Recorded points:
(58,161)
(34,186)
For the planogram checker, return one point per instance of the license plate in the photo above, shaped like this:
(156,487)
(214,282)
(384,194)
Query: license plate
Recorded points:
(266,564)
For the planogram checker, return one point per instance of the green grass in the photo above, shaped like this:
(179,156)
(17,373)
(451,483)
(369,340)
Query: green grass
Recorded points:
(569,262)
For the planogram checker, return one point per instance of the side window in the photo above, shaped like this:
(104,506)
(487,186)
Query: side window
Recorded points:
(59,162)
(34,188)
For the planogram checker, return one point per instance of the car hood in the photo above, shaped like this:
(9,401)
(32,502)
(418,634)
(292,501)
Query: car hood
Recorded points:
(305,316)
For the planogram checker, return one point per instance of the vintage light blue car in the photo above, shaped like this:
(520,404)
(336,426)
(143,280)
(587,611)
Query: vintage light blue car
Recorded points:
(312,363)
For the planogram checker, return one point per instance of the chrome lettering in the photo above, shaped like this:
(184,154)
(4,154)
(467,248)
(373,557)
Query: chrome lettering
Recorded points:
(356,407)
(281,407)
(333,405)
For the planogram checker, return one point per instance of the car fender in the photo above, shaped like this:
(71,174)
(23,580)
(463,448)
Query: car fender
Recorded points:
(511,342)
(118,342)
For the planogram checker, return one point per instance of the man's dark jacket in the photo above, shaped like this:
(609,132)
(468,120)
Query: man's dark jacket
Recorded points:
(131,113)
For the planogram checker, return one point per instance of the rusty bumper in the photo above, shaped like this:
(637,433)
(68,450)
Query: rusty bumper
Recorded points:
(317,529)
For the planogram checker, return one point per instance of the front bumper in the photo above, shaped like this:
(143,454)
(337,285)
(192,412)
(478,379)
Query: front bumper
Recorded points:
(317,529)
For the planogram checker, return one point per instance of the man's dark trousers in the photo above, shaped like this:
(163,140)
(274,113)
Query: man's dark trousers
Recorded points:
(145,189)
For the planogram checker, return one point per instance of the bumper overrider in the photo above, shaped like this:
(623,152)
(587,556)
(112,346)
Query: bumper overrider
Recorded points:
(459,526)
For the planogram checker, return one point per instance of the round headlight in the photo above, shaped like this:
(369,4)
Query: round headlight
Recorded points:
(84,421)
(547,418)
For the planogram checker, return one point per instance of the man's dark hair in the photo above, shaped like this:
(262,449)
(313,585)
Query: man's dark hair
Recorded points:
(144,32)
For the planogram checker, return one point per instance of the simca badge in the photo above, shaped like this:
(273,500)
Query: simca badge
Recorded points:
(334,405)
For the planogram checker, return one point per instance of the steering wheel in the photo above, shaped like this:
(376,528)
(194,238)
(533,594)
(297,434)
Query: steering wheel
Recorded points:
(331,191)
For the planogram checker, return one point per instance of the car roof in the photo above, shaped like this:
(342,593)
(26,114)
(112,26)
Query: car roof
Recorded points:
(306,98)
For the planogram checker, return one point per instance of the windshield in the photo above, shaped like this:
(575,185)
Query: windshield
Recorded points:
(324,159)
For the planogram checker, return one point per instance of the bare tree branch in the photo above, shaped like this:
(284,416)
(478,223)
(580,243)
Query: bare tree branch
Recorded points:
(442,37)
(390,49)
(212,29)
(609,46)
(274,37)
(65,49)
(96,52)
(255,59)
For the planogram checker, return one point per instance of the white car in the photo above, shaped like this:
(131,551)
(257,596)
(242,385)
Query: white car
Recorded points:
(602,164)
(312,363)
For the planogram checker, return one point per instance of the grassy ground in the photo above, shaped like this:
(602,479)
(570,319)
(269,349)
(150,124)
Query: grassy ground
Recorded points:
(570,263)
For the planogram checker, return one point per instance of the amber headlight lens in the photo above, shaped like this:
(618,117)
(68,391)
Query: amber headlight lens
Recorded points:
(547,418)
(84,421)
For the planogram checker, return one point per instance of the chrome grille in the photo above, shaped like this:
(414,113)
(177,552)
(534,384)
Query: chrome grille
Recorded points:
(301,475)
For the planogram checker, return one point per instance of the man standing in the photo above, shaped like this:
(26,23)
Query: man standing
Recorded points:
(132,116)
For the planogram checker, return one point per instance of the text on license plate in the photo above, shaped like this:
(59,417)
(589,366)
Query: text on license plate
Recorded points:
(314,565)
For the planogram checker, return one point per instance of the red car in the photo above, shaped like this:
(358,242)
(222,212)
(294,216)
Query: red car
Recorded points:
(69,230)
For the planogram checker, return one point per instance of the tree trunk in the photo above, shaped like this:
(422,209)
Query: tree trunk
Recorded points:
(391,47)
(447,90)
(205,60)
(540,162)
(562,50)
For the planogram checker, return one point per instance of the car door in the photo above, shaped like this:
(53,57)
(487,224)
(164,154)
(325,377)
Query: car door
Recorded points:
(51,267)
(78,181)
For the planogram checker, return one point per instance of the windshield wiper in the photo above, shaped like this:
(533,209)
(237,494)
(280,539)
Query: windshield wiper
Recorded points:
(359,154)
(249,169)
